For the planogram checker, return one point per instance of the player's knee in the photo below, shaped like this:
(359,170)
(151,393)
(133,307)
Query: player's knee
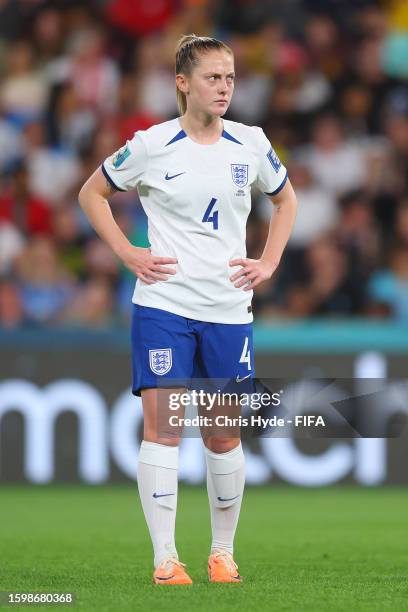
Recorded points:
(154,432)
(221,445)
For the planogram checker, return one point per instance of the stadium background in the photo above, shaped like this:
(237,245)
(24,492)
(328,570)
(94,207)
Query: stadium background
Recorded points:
(328,84)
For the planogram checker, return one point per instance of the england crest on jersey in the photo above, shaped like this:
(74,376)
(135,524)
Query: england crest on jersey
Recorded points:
(239,174)
(160,361)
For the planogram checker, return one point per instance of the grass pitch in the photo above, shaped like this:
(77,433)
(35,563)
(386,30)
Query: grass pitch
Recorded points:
(298,549)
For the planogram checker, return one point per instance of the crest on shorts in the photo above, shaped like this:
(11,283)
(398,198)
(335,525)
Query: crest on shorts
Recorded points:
(160,361)
(239,174)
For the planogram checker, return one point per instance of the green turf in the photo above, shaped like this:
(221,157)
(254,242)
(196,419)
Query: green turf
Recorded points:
(314,549)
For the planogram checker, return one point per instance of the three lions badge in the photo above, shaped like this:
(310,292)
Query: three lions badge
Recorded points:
(160,361)
(239,174)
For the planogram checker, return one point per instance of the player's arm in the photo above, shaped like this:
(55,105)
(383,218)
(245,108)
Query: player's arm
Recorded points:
(280,226)
(93,199)
(255,271)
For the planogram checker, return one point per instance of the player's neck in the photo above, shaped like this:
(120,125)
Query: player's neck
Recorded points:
(202,129)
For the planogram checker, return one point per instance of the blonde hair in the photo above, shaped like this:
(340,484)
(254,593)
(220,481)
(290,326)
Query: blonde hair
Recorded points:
(187,51)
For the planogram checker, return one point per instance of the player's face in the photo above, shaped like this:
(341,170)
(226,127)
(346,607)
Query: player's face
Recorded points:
(211,83)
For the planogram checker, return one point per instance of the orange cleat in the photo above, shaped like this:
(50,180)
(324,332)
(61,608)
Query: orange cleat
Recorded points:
(222,567)
(171,571)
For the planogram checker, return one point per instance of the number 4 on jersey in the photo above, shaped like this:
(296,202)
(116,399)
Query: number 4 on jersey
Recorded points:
(211,218)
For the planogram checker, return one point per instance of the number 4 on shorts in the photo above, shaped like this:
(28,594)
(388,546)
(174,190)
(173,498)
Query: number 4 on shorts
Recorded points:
(246,354)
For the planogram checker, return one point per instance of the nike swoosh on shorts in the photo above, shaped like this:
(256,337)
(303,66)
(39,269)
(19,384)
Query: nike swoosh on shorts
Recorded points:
(238,379)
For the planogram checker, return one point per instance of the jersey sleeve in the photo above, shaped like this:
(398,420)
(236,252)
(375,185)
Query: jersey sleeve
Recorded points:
(272,174)
(125,168)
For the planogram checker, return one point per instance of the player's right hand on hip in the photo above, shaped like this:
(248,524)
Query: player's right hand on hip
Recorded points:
(147,267)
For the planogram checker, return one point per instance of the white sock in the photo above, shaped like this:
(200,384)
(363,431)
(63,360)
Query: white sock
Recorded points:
(225,486)
(157,480)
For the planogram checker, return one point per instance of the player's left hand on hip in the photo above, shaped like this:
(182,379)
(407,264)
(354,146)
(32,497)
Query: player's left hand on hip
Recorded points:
(252,273)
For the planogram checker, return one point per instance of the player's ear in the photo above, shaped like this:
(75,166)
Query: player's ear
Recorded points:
(181,82)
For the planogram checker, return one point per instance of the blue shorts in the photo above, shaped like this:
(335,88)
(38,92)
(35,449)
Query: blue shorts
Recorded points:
(170,350)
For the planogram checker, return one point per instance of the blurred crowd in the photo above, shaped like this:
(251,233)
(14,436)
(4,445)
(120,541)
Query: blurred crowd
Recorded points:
(327,81)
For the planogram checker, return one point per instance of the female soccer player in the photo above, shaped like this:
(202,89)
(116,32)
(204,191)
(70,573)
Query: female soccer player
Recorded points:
(192,314)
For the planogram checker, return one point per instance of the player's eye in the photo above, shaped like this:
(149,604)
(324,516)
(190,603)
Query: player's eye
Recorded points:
(213,77)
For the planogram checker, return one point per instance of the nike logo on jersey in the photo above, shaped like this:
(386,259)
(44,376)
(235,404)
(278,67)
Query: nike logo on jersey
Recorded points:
(155,495)
(238,379)
(168,178)
(227,498)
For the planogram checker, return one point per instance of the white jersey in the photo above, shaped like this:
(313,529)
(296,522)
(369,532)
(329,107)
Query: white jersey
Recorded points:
(197,199)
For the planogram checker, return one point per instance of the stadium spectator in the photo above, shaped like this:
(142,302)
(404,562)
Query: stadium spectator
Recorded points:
(24,90)
(388,288)
(318,211)
(99,260)
(71,123)
(155,71)
(11,146)
(326,48)
(358,233)
(11,245)
(48,34)
(331,286)
(69,239)
(53,172)
(11,311)
(130,116)
(396,130)
(92,306)
(18,205)
(355,106)
(46,288)
(401,222)
(337,164)
(252,88)
(140,18)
